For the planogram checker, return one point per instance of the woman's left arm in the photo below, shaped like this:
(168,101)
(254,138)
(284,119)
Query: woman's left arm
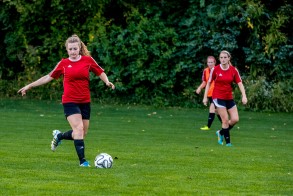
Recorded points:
(104,77)
(244,98)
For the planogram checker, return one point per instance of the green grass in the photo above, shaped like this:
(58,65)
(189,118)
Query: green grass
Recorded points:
(158,152)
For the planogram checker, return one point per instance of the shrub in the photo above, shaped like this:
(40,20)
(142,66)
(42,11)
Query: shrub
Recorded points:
(266,95)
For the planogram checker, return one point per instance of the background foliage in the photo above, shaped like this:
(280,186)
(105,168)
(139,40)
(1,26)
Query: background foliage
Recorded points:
(154,51)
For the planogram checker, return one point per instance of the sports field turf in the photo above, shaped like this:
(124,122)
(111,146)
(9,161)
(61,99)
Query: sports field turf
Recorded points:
(155,151)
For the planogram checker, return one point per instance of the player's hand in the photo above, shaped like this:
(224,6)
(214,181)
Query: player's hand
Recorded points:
(23,90)
(111,85)
(205,101)
(244,100)
(198,90)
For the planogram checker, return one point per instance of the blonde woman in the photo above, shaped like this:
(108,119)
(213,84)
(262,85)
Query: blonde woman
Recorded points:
(76,93)
(224,75)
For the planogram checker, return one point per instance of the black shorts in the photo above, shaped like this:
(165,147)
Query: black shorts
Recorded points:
(221,103)
(210,100)
(78,108)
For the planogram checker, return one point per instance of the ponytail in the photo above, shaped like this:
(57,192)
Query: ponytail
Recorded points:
(83,50)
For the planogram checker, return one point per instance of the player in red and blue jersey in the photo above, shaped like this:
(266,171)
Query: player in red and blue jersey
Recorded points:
(224,75)
(76,93)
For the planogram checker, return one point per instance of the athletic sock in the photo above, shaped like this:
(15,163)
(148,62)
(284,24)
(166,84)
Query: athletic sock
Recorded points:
(65,136)
(222,131)
(230,127)
(211,119)
(219,117)
(226,134)
(79,147)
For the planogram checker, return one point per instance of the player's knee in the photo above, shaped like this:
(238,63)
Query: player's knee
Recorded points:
(78,132)
(234,120)
(84,133)
(225,122)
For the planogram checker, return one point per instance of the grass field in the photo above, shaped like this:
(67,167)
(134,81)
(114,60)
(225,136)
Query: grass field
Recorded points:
(156,151)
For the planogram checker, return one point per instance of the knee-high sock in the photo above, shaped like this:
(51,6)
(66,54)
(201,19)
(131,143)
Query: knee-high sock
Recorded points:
(211,119)
(219,117)
(226,133)
(65,136)
(79,147)
(230,127)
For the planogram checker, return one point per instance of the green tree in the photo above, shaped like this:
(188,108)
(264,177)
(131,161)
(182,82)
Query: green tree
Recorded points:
(154,51)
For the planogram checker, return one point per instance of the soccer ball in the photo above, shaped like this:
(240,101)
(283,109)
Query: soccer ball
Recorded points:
(103,160)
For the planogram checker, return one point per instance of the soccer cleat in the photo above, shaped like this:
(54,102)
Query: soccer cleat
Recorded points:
(85,164)
(220,137)
(229,145)
(55,142)
(205,128)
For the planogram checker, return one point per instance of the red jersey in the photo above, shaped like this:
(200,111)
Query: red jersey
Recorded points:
(223,81)
(76,78)
(205,78)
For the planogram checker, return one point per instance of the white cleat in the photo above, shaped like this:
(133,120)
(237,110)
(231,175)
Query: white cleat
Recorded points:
(55,142)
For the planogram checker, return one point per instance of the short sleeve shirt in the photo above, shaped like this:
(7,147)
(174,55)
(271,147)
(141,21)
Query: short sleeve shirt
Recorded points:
(205,78)
(76,78)
(223,81)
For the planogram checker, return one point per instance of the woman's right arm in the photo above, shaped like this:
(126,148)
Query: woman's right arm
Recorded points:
(43,80)
(205,97)
(201,86)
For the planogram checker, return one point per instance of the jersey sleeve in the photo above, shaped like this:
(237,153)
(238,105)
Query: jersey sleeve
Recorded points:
(94,67)
(237,77)
(205,76)
(57,71)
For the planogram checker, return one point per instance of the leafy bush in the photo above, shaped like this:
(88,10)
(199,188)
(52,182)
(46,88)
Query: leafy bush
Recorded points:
(269,96)
(154,51)
(137,58)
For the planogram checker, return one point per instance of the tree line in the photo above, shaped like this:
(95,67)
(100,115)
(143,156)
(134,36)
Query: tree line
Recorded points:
(154,51)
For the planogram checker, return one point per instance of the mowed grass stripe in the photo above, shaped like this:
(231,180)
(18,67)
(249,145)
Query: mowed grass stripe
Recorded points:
(157,151)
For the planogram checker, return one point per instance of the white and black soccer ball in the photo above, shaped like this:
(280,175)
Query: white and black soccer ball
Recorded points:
(103,160)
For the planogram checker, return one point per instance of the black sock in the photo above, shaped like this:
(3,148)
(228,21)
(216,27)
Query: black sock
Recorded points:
(65,136)
(211,119)
(222,131)
(226,133)
(230,127)
(79,147)
(219,117)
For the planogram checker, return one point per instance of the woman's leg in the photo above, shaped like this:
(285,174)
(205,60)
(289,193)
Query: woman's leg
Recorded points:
(225,123)
(211,115)
(234,118)
(85,127)
(222,111)
(77,125)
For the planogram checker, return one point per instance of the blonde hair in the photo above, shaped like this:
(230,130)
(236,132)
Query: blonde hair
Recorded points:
(226,52)
(229,55)
(75,39)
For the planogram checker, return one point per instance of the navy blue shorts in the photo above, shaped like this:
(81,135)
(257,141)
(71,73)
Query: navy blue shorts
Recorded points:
(221,103)
(78,108)
(210,100)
